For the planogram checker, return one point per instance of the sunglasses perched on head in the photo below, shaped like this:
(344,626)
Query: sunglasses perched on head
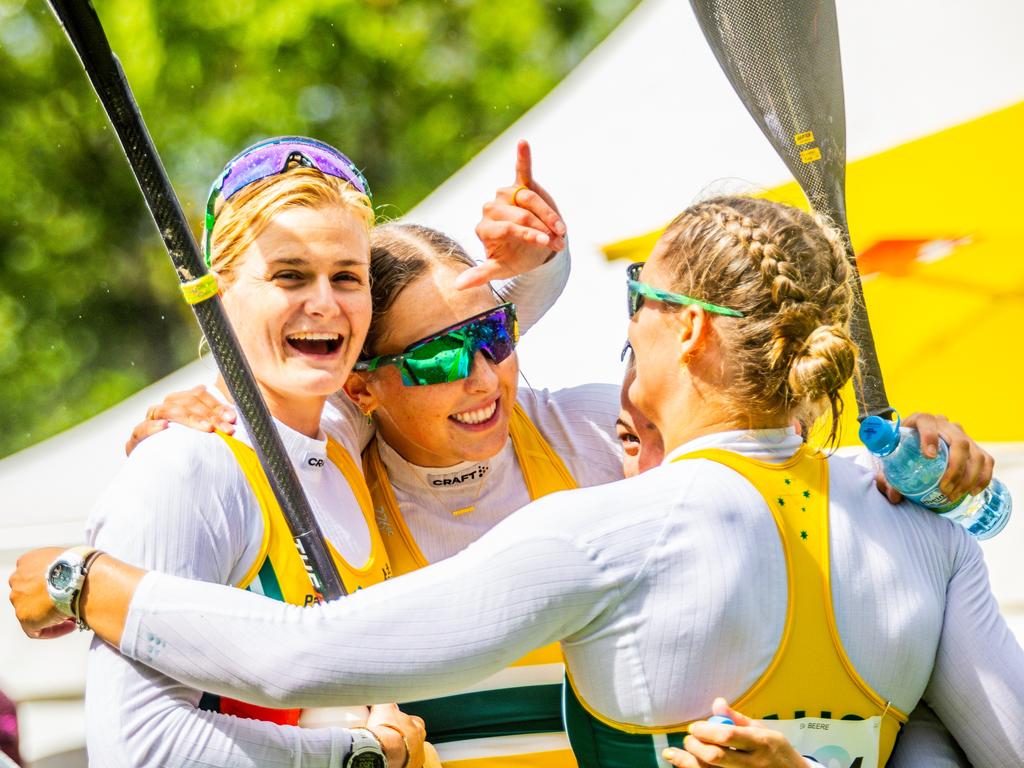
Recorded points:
(447,355)
(636,292)
(271,157)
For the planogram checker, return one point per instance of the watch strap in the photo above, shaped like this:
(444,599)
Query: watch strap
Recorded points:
(76,610)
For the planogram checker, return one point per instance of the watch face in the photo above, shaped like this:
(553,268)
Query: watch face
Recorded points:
(367,760)
(61,576)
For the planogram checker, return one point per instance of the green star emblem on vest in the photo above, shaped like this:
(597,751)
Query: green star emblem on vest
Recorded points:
(807,494)
(803,534)
(781,501)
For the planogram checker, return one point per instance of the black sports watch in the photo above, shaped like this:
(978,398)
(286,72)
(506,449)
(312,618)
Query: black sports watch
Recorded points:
(367,751)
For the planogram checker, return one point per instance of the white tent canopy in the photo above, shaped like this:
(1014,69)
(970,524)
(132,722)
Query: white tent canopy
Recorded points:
(637,131)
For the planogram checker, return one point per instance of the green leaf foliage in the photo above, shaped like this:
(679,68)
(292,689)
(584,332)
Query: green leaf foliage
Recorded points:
(411,90)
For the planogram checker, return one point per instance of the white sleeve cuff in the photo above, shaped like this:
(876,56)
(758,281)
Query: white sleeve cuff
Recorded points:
(129,637)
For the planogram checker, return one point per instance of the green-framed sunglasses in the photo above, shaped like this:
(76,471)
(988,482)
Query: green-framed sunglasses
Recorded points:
(447,355)
(636,292)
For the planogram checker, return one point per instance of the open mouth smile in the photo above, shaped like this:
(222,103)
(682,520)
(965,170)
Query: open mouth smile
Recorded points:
(311,343)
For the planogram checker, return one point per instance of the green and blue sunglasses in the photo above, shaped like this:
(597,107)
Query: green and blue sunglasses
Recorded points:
(447,355)
(636,292)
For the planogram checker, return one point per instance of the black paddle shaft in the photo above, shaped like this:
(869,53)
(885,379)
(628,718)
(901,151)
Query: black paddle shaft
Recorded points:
(83,28)
(782,58)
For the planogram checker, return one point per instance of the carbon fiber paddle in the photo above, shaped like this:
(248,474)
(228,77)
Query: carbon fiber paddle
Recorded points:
(782,58)
(85,32)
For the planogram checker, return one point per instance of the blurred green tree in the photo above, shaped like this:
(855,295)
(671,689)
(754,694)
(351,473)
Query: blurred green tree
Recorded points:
(89,311)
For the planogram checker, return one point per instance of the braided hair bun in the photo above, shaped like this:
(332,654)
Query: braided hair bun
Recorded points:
(791,353)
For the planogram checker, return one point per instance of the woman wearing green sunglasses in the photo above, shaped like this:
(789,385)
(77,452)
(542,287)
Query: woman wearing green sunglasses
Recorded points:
(670,587)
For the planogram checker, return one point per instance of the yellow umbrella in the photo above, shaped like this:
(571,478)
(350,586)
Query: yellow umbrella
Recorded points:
(938,227)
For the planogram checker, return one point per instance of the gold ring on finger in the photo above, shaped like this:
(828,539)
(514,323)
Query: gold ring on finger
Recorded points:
(515,195)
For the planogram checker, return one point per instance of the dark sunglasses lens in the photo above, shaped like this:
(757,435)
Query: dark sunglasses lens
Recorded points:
(634,299)
(496,335)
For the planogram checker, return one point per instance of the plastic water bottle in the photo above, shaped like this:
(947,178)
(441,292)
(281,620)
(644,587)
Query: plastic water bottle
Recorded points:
(917,478)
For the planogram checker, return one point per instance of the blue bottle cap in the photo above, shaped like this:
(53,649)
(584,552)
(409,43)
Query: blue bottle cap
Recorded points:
(720,720)
(880,436)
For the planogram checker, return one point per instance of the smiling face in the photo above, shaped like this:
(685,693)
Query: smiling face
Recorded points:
(299,301)
(438,425)
(642,448)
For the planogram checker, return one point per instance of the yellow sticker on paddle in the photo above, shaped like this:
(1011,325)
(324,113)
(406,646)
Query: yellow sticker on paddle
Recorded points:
(810,155)
(201,289)
(803,138)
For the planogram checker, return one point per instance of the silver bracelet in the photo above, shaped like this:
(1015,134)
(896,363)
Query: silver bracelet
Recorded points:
(76,612)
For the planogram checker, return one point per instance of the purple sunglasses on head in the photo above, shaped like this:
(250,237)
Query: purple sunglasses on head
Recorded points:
(271,157)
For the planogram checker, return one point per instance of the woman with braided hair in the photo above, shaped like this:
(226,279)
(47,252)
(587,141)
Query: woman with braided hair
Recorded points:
(747,564)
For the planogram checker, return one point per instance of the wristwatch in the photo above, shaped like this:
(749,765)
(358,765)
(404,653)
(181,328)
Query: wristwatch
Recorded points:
(65,577)
(367,751)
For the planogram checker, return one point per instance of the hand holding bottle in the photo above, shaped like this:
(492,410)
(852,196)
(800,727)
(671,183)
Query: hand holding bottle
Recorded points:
(922,478)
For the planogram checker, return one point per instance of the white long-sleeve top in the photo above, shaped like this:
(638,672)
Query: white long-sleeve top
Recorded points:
(649,584)
(181,505)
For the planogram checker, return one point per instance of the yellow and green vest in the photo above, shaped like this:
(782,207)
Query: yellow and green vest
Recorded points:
(810,690)
(490,727)
(278,571)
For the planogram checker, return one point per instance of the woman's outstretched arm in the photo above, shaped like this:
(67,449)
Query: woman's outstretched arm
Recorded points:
(443,626)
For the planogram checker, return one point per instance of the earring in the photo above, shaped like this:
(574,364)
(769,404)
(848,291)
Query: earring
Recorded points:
(369,417)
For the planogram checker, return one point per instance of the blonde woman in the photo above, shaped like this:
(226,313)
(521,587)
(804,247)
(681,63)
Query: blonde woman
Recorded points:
(288,237)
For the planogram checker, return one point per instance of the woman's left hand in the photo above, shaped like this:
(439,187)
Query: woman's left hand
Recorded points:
(35,610)
(969,469)
(745,744)
(521,228)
